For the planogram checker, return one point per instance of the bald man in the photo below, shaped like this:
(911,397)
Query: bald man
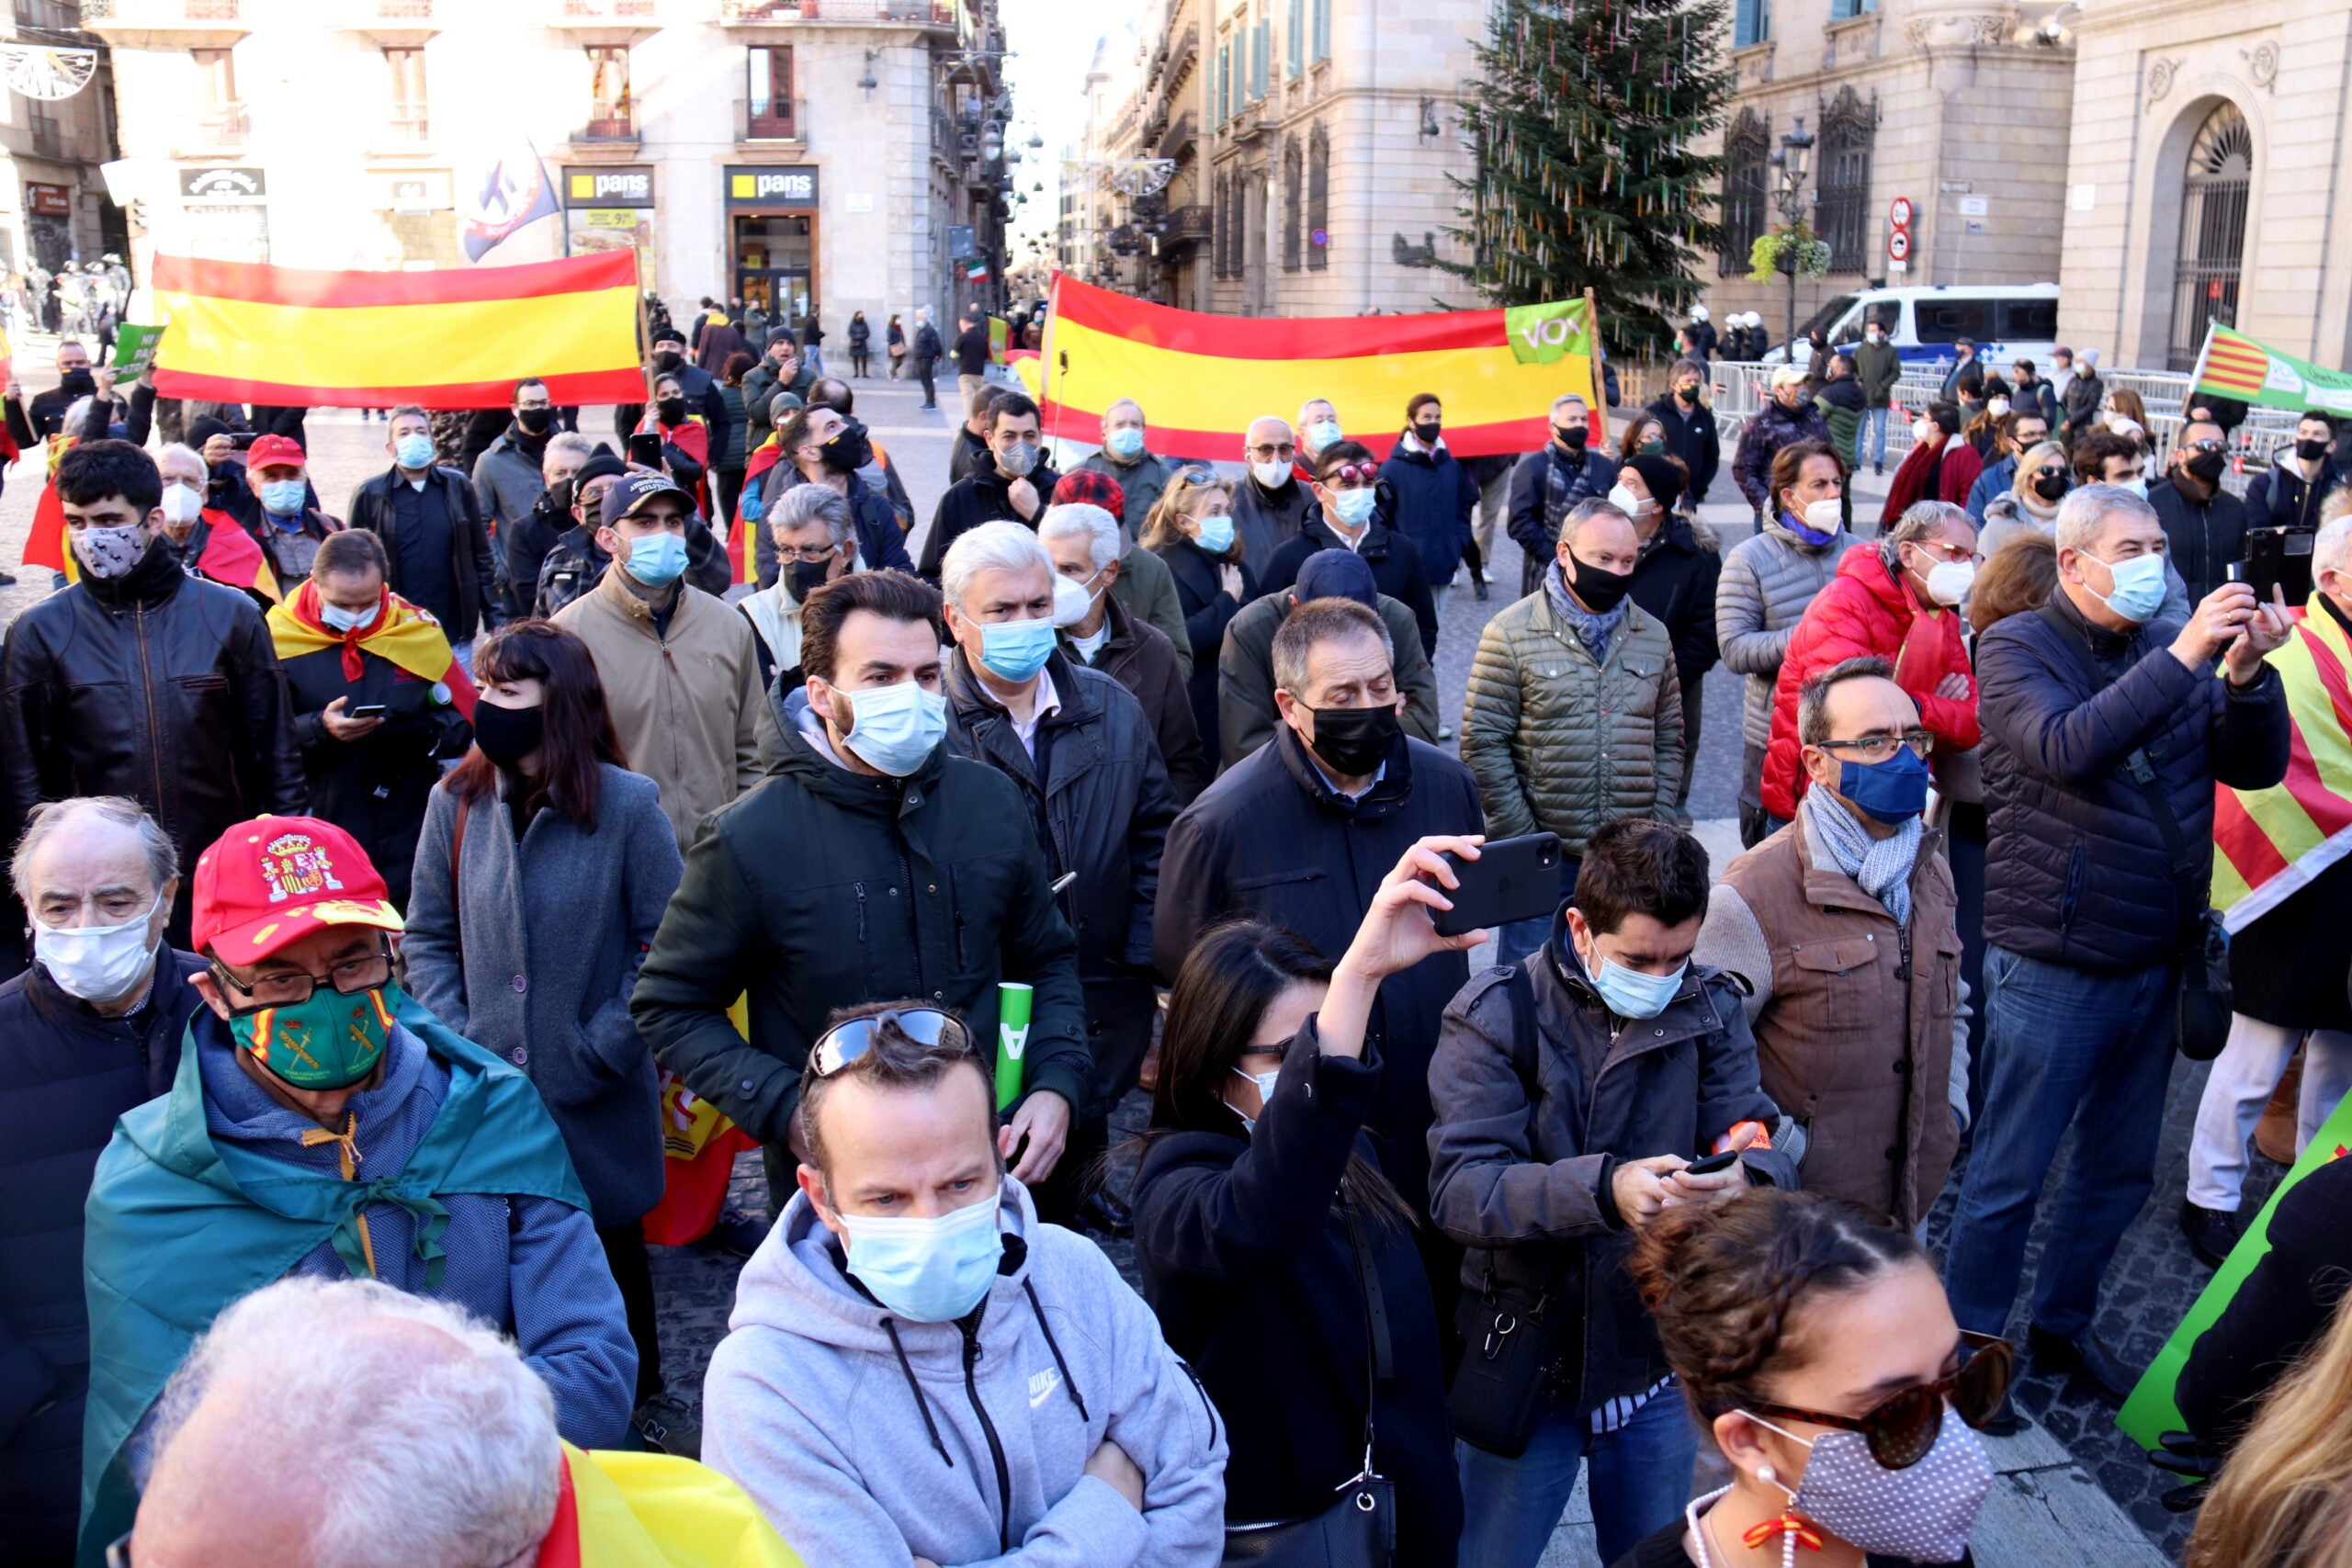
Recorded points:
(1271,506)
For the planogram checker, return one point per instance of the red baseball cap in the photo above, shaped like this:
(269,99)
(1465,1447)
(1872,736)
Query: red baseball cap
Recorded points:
(274,879)
(268,450)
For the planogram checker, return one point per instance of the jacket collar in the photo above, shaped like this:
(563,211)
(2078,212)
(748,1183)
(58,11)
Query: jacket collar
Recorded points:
(635,610)
(868,795)
(1828,887)
(975,705)
(153,579)
(1395,786)
(1690,1014)
(2105,641)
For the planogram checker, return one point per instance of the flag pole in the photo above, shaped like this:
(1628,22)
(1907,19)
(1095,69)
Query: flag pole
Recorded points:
(644,322)
(1046,354)
(2204,349)
(1599,392)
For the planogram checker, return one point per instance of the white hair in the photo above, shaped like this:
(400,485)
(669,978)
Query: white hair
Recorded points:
(567,441)
(120,811)
(1564,398)
(374,1402)
(991,547)
(183,449)
(2332,546)
(1123,403)
(807,503)
(1073,518)
(2087,508)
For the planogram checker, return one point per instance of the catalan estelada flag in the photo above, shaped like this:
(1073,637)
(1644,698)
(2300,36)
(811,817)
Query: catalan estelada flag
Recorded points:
(1201,379)
(2267,843)
(243,333)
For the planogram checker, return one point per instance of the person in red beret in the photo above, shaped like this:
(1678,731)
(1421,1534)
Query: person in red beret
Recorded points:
(1144,588)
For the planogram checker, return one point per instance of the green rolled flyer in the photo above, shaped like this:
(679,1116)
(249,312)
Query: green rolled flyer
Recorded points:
(1012,1001)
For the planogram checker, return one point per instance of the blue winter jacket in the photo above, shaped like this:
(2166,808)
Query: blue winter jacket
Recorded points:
(2078,873)
(1432,498)
(1997,480)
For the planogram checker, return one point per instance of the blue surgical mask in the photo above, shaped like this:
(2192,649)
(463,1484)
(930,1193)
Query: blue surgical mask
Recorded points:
(1893,791)
(658,559)
(1355,507)
(1124,442)
(894,727)
(412,451)
(1014,650)
(931,1269)
(2139,587)
(342,620)
(283,497)
(1322,433)
(1629,992)
(1216,534)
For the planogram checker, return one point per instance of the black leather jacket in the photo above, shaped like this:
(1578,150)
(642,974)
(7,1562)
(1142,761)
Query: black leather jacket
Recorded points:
(156,685)
(471,564)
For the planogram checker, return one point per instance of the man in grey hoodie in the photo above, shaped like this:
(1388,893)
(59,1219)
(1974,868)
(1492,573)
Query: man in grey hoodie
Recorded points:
(918,1369)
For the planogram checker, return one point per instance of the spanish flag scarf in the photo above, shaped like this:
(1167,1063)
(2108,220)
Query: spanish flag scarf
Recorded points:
(400,633)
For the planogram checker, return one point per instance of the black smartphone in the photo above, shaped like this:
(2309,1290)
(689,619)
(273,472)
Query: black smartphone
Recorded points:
(1712,1163)
(1512,879)
(2279,558)
(367,710)
(645,449)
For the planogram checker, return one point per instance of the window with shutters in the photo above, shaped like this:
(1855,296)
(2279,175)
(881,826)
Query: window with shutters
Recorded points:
(1293,206)
(1751,23)
(1842,10)
(1295,39)
(1322,40)
(1318,199)
(1849,126)
(1217,226)
(1746,147)
(1261,51)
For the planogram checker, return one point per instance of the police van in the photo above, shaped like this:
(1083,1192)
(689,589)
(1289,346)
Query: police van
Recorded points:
(2007,322)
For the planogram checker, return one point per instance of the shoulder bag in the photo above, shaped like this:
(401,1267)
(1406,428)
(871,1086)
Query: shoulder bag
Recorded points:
(2201,1006)
(1358,1528)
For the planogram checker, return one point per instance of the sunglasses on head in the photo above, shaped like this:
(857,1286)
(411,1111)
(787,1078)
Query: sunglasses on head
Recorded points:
(1348,474)
(1200,477)
(844,1042)
(1902,1428)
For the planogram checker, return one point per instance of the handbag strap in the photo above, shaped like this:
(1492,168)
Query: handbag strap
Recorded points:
(1380,1359)
(457,855)
(2143,773)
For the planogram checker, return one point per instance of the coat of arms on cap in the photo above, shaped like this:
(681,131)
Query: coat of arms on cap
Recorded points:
(294,863)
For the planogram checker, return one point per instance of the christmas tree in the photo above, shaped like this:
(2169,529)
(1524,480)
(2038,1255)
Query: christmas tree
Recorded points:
(1582,121)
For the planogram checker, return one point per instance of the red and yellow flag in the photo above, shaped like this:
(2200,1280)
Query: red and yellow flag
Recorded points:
(641,1510)
(459,339)
(2270,842)
(1201,379)
(402,634)
(231,557)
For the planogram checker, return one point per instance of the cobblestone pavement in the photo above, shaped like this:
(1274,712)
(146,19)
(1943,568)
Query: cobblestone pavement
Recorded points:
(2155,1277)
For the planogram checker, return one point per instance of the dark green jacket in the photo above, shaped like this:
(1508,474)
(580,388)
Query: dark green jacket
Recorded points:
(820,888)
(1879,367)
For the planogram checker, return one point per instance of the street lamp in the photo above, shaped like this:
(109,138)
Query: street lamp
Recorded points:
(1796,150)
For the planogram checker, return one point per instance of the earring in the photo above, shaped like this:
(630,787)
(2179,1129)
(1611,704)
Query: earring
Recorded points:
(1765,1473)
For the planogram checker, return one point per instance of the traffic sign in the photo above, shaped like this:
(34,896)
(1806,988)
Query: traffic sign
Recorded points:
(1898,245)
(1900,213)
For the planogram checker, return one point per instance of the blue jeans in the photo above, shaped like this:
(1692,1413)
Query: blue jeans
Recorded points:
(1641,1478)
(2059,1040)
(1517,938)
(1872,437)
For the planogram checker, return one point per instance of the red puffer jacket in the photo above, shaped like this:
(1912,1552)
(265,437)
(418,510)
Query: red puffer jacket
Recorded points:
(1866,611)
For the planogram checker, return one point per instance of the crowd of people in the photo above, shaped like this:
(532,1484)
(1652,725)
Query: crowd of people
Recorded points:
(400,887)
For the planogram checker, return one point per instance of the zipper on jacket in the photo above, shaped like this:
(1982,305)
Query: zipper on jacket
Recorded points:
(971,1331)
(860,888)
(147,685)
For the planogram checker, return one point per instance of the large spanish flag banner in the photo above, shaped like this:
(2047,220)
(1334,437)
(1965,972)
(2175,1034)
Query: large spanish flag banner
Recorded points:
(243,333)
(2270,843)
(1201,379)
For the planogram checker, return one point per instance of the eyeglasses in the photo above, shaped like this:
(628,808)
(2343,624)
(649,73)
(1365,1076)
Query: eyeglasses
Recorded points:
(2208,447)
(1266,454)
(1350,476)
(1878,748)
(811,554)
(1200,477)
(1902,1428)
(846,1042)
(285,989)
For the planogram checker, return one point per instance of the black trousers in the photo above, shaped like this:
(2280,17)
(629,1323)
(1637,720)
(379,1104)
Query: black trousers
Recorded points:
(924,373)
(633,1272)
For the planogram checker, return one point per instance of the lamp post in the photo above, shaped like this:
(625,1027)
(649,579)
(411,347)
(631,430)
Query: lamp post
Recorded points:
(1794,152)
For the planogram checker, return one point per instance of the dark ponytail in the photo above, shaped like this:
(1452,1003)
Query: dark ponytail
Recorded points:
(1723,1285)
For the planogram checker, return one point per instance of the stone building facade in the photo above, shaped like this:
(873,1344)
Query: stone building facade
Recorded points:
(1964,108)
(2211,146)
(829,159)
(55,208)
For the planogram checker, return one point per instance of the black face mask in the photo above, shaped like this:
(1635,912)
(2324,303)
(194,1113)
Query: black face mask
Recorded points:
(848,451)
(807,575)
(2311,451)
(1688,394)
(669,360)
(534,422)
(1354,741)
(1600,589)
(2205,467)
(507,736)
(2049,487)
(1572,435)
(1427,433)
(78,384)
(674,410)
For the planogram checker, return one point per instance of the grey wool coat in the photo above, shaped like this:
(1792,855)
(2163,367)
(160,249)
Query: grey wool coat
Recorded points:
(534,956)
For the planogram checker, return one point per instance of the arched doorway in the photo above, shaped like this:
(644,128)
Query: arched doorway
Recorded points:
(2214,193)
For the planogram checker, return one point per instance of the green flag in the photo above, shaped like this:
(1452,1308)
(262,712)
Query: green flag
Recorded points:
(1541,333)
(2233,365)
(134,349)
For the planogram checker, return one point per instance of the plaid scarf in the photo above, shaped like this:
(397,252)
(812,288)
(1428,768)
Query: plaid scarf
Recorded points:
(1881,868)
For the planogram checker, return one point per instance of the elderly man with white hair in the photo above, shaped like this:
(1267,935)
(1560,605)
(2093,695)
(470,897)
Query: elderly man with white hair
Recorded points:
(93,1029)
(2106,729)
(356,1426)
(1271,505)
(1103,633)
(1079,748)
(209,542)
(1142,473)
(2282,886)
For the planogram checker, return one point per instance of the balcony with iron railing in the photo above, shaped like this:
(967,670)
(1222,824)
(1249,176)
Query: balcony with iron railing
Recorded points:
(619,22)
(1180,136)
(768,119)
(904,13)
(612,129)
(1190,222)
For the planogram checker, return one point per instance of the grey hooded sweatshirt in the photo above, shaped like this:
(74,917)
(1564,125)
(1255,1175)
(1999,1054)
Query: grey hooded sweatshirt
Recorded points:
(868,1441)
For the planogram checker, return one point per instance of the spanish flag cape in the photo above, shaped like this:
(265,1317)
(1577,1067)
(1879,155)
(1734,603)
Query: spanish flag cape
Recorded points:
(2270,842)
(765,455)
(230,557)
(641,1510)
(45,545)
(699,1146)
(408,636)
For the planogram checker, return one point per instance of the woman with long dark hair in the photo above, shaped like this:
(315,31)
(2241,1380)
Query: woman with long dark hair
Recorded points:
(1281,1262)
(542,872)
